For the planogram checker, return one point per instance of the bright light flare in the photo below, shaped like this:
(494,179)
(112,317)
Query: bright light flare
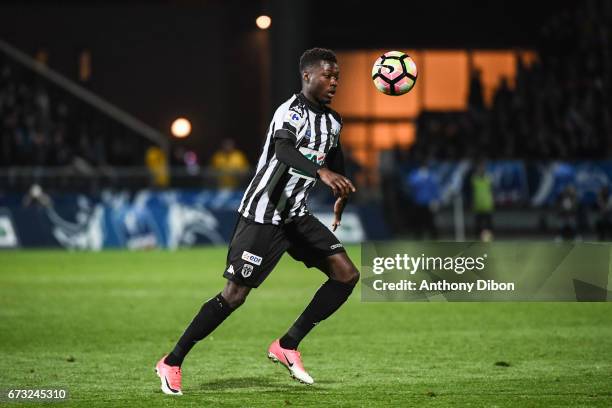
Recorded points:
(180,128)
(263,22)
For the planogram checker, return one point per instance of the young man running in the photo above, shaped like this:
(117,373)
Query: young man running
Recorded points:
(301,147)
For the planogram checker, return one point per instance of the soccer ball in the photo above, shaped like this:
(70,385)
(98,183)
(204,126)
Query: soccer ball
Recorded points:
(394,73)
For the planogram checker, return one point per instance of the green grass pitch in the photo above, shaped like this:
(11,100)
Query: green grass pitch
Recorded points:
(98,322)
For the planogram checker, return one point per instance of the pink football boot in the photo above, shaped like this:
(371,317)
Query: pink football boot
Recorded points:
(290,359)
(170,377)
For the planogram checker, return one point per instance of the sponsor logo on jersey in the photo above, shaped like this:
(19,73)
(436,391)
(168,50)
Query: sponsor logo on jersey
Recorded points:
(335,246)
(293,117)
(230,270)
(249,257)
(247,270)
(312,155)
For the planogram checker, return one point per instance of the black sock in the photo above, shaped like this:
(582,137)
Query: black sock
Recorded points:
(211,315)
(330,296)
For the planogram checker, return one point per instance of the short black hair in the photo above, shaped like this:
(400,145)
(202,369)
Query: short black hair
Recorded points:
(314,55)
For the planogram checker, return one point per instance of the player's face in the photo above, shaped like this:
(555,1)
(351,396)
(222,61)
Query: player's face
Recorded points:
(321,81)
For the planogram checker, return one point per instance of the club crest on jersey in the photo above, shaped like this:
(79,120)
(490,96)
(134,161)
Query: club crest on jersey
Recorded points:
(247,270)
(249,257)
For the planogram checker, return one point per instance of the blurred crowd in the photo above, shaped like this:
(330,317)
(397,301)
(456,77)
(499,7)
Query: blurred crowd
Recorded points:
(43,126)
(231,165)
(558,108)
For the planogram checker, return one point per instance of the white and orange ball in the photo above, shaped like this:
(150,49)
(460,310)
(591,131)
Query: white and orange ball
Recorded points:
(394,73)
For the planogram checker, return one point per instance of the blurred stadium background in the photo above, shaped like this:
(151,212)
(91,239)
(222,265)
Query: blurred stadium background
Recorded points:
(507,134)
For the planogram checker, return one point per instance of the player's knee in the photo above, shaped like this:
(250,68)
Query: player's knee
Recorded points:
(356,277)
(349,275)
(341,269)
(235,295)
(353,277)
(236,300)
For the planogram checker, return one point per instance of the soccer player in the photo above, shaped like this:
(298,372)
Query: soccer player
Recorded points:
(302,146)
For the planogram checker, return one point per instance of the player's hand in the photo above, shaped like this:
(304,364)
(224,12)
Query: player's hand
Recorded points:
(340,185)
(338,209)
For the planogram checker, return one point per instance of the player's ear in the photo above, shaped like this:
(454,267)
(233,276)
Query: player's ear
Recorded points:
(305,76)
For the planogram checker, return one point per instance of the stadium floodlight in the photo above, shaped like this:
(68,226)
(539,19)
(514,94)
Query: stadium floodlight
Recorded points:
(180,128)
(263,22)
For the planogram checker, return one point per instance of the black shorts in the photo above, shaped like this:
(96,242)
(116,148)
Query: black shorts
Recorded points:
(256,248)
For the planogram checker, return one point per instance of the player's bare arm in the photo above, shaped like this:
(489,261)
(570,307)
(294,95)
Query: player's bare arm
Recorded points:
(338,209)
(336,164)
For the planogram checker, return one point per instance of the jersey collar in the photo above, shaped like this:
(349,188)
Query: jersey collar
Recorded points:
(312,106)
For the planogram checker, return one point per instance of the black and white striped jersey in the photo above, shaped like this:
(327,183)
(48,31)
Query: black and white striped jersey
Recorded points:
(277,192)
